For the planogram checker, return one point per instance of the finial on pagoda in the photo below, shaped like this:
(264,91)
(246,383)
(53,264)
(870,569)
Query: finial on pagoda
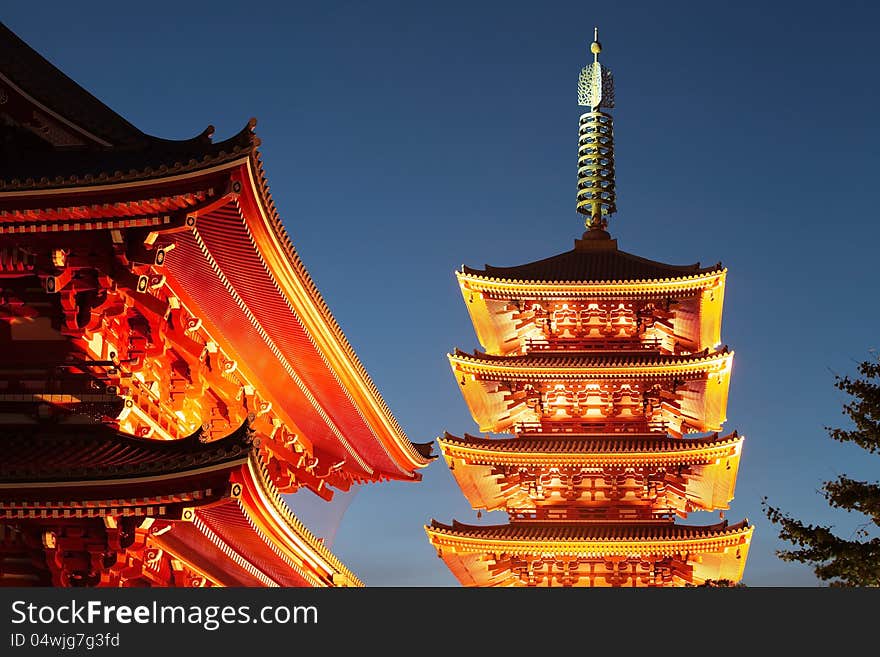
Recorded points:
(596,195)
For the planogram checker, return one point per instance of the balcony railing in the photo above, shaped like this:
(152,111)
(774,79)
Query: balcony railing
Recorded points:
(598,426)
(596,514)
(591,344)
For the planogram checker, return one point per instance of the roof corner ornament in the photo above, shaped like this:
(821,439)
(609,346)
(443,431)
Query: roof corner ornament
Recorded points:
(596,197)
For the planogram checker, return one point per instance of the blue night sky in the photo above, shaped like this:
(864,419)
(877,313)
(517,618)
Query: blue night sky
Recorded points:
(404,139)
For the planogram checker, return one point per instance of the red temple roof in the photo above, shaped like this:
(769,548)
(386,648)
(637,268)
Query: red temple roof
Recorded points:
(64,452)
(210,503)
(99,145)
(263,328)
(82,167)
(230,325)
(43,169)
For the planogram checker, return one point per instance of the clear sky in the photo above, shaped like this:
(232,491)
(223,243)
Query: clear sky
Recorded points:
(404,139)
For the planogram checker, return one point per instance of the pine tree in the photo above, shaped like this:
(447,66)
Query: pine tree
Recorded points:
(839,561)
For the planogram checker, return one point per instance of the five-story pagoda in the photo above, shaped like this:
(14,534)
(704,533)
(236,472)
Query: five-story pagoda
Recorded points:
(600,363)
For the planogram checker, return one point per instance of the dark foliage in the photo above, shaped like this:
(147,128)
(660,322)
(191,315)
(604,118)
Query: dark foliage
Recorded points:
(840,561)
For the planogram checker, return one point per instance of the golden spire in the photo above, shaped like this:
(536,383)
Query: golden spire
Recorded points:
(596,196)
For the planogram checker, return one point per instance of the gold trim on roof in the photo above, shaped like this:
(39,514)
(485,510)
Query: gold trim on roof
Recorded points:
(492,284)
(667,452)
(513,367)
(461,542)
(270,494)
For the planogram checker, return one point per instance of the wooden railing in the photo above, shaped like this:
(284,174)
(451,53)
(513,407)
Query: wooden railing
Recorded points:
(591,344)
(599,426)
(598,514)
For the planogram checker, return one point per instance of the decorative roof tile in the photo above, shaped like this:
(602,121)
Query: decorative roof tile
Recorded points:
(65,452)
(591,444)
(123,154)
(28,168)
(108,148)
(587,532)
(589,359)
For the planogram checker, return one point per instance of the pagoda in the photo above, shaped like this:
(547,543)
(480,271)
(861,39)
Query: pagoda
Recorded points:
(608,370)
(168,368)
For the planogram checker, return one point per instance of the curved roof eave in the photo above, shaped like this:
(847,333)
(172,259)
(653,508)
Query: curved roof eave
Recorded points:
(346,356)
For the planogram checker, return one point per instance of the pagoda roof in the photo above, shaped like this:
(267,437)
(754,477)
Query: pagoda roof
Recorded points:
(589,445)
(31,169)
(271,315)
(570,362)
(583,532)
(487,382)
(108,148)
(235,265)
(482,465)
(472,552)
(36,76)
(67,452)
(225,514)
(258,531)
(596,262)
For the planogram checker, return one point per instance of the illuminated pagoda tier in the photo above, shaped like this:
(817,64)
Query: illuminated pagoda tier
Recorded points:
(595,476)
(609,371)
(168,368)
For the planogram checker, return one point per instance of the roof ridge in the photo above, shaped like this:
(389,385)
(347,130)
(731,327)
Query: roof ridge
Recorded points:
(604,357)
(590,267)
(124,455)
(161,158)
(17,57)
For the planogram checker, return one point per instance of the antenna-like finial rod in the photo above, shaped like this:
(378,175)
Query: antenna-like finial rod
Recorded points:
(596,195)
(595,86)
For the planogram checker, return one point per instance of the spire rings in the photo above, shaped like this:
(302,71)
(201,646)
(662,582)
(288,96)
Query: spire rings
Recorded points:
(596,196)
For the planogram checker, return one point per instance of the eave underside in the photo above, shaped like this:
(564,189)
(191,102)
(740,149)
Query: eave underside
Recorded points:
(523,537)
(575,364)
(246,308)
(589,448)
(210,504)
(222,237)
(593,477)
(526,554)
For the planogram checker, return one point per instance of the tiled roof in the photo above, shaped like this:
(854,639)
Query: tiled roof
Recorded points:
(591,266)
(590,444)
(28,168)
(573,359)
(32,73)
(123,152)
(28,162)
(583,532)
(426,450)
(65,452)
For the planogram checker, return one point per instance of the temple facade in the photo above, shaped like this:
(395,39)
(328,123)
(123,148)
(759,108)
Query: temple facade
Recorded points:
(609,372)
(168,368)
